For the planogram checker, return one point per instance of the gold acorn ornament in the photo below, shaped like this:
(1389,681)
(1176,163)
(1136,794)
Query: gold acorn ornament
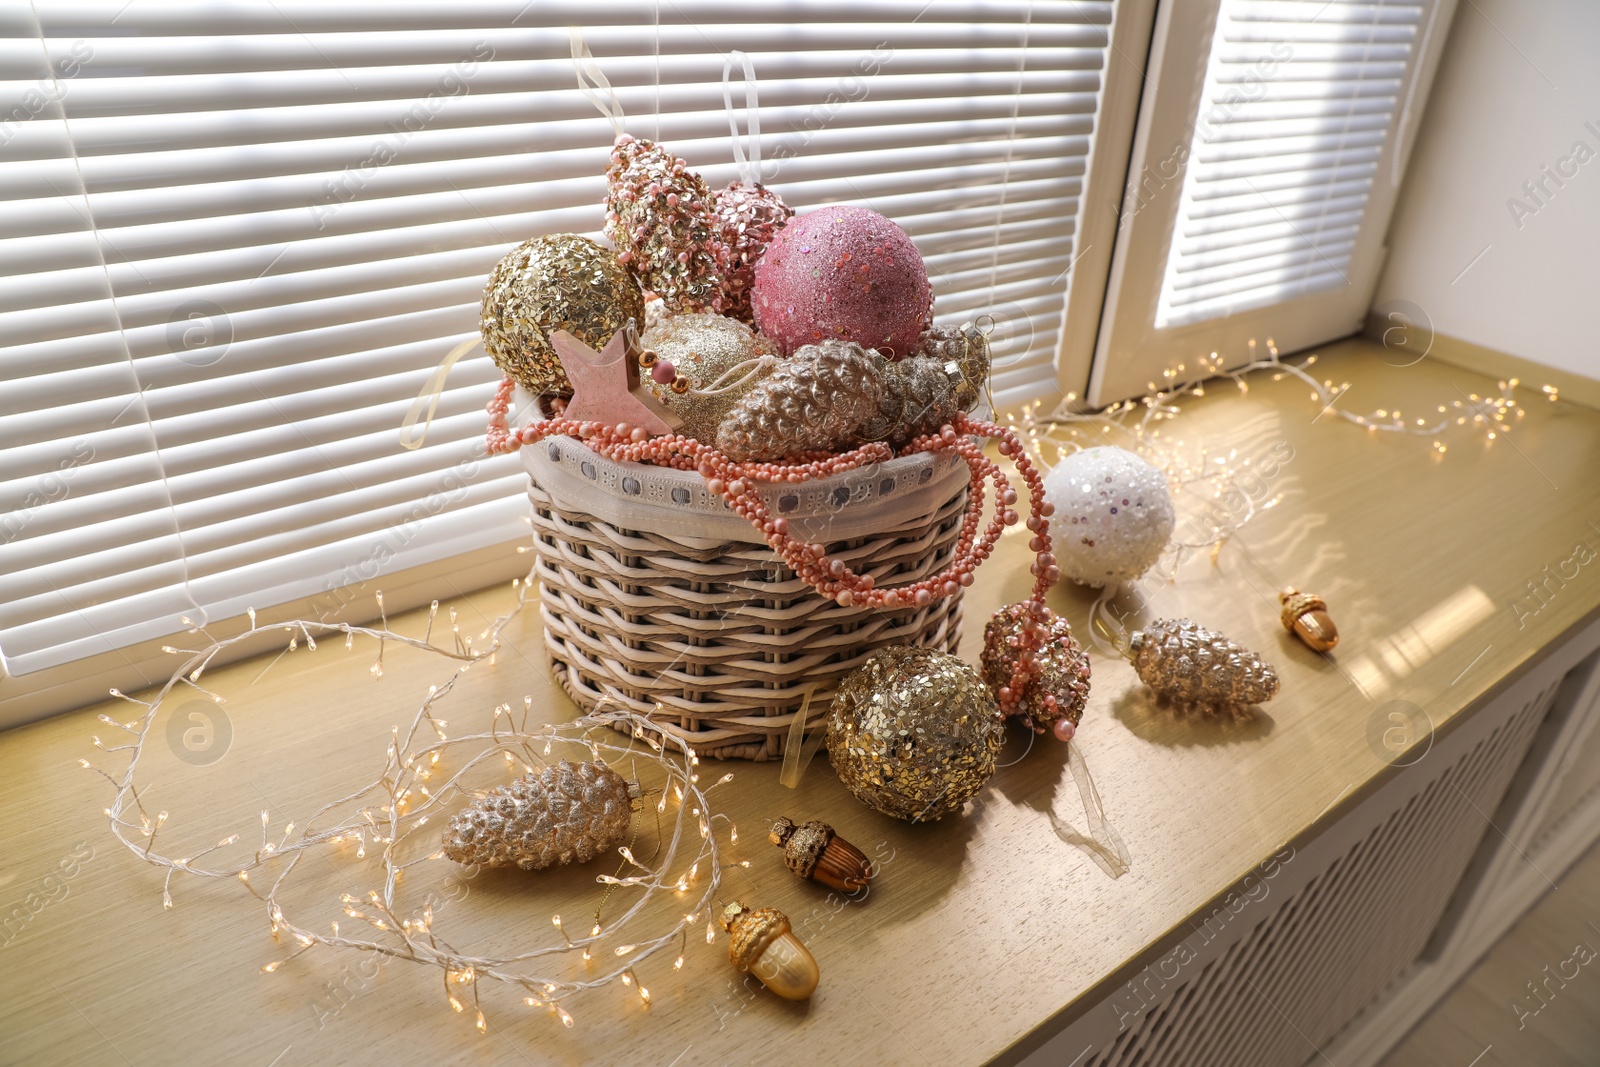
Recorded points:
(1190,664)
(1306,616)
(761,941)
(814,851)
(566,813)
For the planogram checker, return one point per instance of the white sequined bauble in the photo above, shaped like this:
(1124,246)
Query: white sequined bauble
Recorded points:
(1113,515)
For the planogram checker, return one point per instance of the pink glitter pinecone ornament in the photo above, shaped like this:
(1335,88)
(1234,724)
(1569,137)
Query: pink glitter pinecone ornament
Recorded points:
(749,216)
(843,273)
(661,217)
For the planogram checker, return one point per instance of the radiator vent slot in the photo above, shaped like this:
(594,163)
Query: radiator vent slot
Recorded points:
(1288,985)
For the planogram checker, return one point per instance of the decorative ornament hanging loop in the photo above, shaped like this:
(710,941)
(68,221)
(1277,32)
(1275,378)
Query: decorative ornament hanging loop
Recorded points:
(749,166)
(593,83)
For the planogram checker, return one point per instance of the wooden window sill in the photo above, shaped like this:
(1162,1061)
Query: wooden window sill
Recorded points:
(985,935)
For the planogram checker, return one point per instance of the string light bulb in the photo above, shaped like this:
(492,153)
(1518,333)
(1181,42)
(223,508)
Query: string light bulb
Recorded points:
(401,806)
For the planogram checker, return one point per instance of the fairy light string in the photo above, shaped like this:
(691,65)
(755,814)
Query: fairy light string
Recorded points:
(1138,423)
(407,799)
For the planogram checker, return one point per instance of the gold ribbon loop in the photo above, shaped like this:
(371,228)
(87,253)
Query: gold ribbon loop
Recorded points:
(428,399)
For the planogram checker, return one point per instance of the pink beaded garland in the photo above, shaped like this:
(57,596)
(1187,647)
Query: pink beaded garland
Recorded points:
(736,482)
(842,272)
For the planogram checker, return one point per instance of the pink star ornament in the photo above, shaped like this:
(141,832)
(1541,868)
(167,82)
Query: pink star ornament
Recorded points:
(606,387)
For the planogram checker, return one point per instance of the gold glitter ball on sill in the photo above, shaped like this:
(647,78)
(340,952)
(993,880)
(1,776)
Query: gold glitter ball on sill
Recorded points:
(702,348)
(914,733)
(560,281)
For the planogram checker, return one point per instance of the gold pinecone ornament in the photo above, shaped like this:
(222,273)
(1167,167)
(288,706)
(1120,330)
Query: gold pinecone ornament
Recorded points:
(964,351)
(920,395)
(821,399)
(836,395)
(1190,664)
(566,813)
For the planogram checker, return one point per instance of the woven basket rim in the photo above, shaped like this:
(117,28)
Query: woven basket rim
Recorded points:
(679,503)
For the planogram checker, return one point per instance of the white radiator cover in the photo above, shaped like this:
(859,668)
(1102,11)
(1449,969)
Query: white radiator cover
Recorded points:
(1367,923)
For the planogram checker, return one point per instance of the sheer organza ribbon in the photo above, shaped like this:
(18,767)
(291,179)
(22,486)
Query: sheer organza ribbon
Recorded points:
(749,163)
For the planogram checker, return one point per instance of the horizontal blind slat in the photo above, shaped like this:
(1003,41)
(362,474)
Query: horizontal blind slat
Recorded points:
(1294,115)
(242,302)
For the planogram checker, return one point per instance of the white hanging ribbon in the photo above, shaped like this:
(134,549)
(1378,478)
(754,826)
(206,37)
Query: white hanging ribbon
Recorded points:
(749,169)
(428,398)
(1106,622)
(593,83)
(739,375)
(1103,844)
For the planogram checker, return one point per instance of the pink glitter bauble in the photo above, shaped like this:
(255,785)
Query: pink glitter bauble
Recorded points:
(847,273)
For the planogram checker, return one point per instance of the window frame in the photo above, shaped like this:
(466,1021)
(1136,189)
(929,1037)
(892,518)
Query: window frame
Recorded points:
(1131,353)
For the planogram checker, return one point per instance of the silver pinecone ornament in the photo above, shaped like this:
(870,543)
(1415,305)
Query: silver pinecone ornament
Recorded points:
(821,399)
(1193,665)
(565,813)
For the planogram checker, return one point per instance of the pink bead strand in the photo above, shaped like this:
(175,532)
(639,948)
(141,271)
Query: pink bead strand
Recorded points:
(737,482)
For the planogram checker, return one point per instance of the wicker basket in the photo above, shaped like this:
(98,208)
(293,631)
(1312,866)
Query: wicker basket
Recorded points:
(658,598)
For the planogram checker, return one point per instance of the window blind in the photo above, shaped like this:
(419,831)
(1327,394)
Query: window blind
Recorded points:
(239,238)
(1299,100)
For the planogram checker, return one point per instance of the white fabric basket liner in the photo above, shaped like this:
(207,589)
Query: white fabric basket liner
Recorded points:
(677,504)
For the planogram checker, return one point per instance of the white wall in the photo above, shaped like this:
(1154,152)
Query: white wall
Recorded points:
(1517,84)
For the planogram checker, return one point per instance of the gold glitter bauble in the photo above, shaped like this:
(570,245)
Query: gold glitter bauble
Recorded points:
(913,732)
(703,348)
(556,282)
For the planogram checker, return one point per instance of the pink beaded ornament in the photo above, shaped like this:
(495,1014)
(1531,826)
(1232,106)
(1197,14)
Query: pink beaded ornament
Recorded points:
(661,217)
(749,217)
(1035,668)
